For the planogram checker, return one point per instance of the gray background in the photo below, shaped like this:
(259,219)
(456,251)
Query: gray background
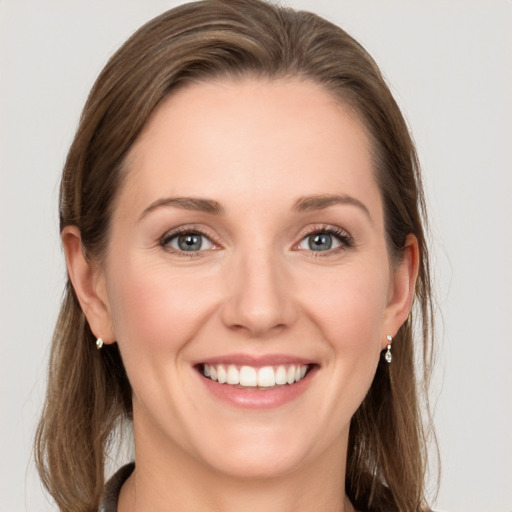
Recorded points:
(450,66)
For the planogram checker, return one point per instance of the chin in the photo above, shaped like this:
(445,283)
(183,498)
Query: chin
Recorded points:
(258,454)
(250,465)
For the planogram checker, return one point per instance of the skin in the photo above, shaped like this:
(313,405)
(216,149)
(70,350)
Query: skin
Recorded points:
(256,148)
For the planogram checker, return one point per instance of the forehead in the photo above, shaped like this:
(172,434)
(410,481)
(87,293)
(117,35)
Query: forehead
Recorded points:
(250,139)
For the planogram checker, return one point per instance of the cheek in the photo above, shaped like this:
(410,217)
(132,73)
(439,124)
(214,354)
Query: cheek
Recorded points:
(352,315)
(153,308)
(350,305)
(346,306)
(350,309)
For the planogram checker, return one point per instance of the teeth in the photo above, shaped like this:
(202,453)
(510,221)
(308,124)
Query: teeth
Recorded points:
(233,375)
(222,376)
(247,376)
(281,375)
(266,377)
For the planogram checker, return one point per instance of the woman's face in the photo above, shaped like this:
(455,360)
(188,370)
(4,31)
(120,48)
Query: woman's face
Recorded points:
(248,243)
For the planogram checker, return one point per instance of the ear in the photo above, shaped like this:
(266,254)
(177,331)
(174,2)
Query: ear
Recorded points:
(402,287)
(89,283)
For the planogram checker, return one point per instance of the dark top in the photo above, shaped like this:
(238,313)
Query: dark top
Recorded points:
(113,488)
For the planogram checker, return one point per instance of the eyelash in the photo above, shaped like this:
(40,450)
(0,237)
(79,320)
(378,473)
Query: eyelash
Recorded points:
(184,230)
(346,240)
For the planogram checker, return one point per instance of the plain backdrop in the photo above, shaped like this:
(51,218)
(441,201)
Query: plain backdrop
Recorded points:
(449,64)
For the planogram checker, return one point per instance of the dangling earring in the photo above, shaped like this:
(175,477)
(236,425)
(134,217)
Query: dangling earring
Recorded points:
(388,356)
(99,343)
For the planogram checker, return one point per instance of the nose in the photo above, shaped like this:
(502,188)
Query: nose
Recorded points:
(259,297)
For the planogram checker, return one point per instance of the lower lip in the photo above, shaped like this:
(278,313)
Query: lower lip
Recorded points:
(261,398)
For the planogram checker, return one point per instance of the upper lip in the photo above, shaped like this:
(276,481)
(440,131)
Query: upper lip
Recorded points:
(255,360)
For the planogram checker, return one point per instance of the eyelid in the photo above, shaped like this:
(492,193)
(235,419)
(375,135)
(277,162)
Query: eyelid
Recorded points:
(192,229)
(344,237)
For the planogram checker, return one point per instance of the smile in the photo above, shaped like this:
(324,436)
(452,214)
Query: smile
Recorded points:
(253,377)
(256,382)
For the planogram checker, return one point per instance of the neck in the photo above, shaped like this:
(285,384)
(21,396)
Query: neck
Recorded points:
(166,480)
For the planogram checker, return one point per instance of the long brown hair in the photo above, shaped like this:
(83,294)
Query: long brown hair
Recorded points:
(88,393)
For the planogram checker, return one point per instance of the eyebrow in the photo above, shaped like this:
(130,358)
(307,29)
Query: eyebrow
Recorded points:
(320,202)
(303,204)
(187,203)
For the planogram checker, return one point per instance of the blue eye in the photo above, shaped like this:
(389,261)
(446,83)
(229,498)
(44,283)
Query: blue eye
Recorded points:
(188,242)
(320,242)
(325,240)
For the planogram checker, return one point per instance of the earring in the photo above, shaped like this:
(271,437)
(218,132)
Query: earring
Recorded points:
(99,343)
(388,356)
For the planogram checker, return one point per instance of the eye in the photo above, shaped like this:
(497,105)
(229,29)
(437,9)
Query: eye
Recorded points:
(188,242)
(326,239)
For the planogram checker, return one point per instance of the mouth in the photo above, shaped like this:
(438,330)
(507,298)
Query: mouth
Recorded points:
(255,377)
(256,382)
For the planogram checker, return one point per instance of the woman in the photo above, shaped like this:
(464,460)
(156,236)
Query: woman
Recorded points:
(241,213)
